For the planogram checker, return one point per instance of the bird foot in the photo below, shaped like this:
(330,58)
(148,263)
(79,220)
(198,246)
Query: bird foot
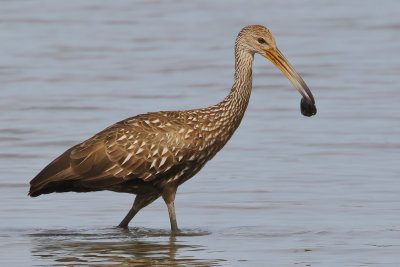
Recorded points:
(175,232)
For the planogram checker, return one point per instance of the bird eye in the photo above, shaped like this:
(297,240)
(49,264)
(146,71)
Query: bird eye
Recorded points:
(261,40)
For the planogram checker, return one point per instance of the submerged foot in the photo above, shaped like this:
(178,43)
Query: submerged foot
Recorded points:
(123,225)
(175,232)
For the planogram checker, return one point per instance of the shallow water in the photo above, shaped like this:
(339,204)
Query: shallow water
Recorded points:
(286,190)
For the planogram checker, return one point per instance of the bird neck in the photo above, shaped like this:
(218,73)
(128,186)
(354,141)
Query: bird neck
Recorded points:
(224,118)
(230,111)
(236,102)
(240,93)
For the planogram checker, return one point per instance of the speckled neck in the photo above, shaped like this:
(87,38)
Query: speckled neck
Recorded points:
(228,114)
(236,102)
(241,89)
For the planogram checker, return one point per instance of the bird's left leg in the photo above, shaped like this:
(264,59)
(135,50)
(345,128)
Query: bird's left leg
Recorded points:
(140,202)
(169,198)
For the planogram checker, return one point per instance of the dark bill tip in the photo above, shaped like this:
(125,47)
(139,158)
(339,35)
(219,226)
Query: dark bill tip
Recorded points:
(307,107)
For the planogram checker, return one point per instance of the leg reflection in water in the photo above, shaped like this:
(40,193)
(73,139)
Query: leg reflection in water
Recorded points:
(118,246)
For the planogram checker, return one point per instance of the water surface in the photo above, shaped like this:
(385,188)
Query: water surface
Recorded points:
(285,191)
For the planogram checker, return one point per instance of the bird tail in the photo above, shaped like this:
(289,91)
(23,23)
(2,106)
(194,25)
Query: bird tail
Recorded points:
(55,177)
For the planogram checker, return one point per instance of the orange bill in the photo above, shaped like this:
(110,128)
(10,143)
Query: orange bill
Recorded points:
(276,57)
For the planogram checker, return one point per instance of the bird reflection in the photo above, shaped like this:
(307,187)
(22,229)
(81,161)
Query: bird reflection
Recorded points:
(136,247)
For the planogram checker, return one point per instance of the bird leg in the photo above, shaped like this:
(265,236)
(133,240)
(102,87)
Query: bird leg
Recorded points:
(140,202)
(169,198)
(172,218)
(132,212)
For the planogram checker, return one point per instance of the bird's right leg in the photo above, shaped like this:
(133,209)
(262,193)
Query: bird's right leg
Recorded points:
(169,198)
(140,202)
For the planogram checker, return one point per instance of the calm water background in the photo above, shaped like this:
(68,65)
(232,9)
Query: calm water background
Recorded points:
(285,191)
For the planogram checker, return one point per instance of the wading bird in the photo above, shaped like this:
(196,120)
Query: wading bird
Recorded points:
(151,154)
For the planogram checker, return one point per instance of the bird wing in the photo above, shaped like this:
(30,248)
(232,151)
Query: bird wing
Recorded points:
(142,147)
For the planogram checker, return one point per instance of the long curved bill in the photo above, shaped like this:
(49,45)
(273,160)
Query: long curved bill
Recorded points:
(276,57)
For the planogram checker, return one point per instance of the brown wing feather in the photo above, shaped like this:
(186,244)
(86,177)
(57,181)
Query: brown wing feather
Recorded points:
(143,147)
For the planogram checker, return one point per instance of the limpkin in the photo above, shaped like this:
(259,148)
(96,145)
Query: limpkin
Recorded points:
(151,154)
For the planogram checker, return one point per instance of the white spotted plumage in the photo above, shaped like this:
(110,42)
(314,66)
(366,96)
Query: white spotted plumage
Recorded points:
(152,154)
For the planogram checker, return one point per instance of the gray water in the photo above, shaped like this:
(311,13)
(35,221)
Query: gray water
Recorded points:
(286,190)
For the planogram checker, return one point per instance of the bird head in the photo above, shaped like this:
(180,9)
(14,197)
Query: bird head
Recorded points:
(258,39)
